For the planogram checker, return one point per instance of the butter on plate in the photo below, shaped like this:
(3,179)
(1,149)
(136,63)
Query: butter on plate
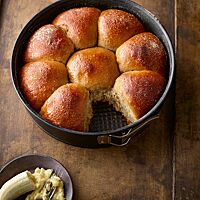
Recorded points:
(45,180)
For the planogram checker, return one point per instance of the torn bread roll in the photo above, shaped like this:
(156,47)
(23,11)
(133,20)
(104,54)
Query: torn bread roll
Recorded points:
(136,92)
(94,68)
(69,107)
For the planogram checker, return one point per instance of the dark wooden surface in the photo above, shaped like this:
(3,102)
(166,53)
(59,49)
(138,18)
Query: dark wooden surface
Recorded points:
(187,143)
(163,163)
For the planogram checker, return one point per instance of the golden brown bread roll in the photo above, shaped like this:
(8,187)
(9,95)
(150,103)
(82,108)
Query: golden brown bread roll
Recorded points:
(48,42)
(142,51)
(94,72)
(136,92)
(94,68)
(68,107)
(115,27)
(38,80)
(80,25)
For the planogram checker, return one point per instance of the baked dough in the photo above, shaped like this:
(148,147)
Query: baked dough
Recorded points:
(80,25)
(38,80)
(142,51)
(69,107)
(48,43)
(117,26)
(94,72)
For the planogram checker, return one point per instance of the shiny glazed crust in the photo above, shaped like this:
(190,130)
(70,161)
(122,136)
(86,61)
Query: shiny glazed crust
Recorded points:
(115,27)
(80,25)
(142,51)
(95,68)
(93,71)
(138,92)
(68,107)
(48,42)
(38,80)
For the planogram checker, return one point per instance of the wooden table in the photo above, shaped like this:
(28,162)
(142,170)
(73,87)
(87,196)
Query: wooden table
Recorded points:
(162,164)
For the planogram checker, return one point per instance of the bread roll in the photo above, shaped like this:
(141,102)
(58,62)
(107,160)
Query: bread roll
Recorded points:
(136,92)
(48,42)
(142,51)
(93,71)
(39,79)
(80,25)
(94,68)
(68,107)
(115,27)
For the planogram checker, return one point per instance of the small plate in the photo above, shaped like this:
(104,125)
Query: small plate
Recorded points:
(30,162)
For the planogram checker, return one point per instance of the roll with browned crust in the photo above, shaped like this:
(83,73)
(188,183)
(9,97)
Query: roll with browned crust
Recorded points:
(136,92)
(68,107)
(115,27)
(142,52)
(80,25)
(38,80)
(94,68)
(48,43)
(93,71)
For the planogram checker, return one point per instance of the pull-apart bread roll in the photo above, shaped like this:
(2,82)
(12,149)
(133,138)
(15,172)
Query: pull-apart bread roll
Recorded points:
(48,43)
(80,25)
(94,68)
(136,92)
(117,26)
(94,72)
(38,80)
(68,107)
(142,52)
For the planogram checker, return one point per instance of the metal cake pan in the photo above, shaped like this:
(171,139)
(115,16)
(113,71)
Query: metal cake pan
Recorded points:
(108,126)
